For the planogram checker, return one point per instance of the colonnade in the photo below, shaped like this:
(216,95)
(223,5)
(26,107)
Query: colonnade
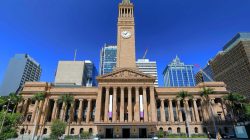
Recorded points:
(126,104)
(191,110)
(51,109)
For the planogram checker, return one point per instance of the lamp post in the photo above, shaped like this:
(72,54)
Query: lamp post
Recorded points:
(5,115)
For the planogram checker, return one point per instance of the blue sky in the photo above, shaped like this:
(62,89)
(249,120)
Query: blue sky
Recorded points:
(50,30)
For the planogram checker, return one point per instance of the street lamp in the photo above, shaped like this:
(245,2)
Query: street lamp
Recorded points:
(4,115)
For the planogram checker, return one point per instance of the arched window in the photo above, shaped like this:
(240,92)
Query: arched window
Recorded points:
(45,131)
(161,129)
(178,130)
(90,130)
(72,131)
(169,130)
(81,131)
(196,130)
(29,118)
(22,131)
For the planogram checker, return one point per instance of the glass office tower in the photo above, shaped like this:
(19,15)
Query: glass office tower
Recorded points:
(177,74)
(91,73)
(108,59)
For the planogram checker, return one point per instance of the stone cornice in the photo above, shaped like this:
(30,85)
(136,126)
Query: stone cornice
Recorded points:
(126,75)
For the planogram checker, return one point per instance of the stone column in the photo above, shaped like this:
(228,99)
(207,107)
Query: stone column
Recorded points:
(106,114)
(62,111)
(152,104)
(25,105)
(19,106)
(98,105)
(179,112)
(54,111)
(214,114)
(163,116)
(114,117)
(79,115)
(129,105)
(137,105)
(224,109)
(204,111)
(193,114)
(171,110)
(34,112)
(122,105)
(72,112)
(88,111)
(196,110)
(187,111)
(40,107)
(145,105)
(45,108)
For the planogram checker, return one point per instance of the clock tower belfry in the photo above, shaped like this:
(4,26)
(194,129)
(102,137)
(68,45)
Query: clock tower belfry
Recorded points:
(126,36)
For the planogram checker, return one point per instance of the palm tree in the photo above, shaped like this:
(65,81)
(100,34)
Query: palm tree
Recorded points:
(184,95)
(235,102)
(205,94)
(67,99)
(15,99)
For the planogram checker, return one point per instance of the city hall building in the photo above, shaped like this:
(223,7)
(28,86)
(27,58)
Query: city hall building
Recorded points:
(125,104)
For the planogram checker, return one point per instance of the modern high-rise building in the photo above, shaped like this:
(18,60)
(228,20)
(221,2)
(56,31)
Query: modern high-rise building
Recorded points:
(71,72)
(107,59)
(177,74)
(91,74)
(232,64)
(79,73)
(21,68)
(204,75)
(148,67)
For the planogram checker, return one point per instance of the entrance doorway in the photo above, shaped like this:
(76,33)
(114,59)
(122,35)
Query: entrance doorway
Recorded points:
(142,133)
(109,133)
(126,133)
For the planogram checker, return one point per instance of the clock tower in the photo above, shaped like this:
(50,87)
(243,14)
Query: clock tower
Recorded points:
(126,36)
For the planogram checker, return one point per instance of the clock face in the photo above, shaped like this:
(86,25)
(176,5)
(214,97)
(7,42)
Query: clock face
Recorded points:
(126,34)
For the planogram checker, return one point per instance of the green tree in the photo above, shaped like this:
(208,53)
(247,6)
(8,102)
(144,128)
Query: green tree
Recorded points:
(184,95)
(205,95)
(39,96)
(85,135)
(67,99)
(57,128)
(3,101)
(10,125)
(237,105)
(15,99)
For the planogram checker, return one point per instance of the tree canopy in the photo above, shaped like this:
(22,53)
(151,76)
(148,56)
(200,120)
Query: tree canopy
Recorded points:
(57,128)
(10,126)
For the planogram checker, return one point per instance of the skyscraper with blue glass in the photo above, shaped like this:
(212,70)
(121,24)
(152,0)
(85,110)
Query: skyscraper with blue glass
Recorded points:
(177,74)
(108,59)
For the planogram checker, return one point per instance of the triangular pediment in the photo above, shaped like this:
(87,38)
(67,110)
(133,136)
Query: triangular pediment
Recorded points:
(126,74)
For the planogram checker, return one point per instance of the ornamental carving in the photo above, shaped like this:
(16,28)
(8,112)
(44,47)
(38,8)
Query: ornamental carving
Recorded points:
(126,74)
